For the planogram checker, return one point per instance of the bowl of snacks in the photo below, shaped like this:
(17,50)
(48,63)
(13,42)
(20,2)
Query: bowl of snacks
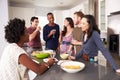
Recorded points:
(72,66)
(41,54)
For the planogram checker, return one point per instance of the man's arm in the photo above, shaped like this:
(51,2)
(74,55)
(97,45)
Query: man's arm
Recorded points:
(32,36)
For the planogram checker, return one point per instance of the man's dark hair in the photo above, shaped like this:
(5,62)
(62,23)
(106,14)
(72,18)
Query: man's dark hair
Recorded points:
(14,30)
(49,13)
(33,18)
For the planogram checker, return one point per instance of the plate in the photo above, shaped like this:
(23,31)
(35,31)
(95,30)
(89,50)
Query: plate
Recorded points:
(35,61)
(46,59)
(72,66)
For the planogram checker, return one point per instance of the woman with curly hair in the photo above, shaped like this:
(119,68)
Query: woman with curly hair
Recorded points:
(15,60)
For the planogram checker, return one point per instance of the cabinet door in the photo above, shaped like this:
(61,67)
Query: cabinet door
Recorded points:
(114,43)
(102,16)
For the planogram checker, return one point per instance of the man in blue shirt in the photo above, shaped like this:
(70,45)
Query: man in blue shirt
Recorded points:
(51,33)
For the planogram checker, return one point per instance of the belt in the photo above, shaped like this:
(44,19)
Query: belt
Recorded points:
(65,42)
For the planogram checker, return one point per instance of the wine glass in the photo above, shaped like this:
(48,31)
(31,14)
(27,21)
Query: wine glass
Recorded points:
(52,55)
(54,33)
(69,52)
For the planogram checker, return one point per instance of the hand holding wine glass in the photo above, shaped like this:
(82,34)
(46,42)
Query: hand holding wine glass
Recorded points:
(38,28)
(54,31)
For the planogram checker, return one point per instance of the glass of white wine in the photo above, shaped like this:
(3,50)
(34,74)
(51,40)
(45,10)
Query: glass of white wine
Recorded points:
(52,55)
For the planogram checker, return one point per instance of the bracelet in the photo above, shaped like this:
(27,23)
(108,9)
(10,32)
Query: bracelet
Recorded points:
(47,65)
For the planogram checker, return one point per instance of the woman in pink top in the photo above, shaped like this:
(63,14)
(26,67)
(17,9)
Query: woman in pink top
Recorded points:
(66,36)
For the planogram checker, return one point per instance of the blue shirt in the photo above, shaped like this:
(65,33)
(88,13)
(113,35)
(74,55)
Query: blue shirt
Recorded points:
(51,42)
(91,47)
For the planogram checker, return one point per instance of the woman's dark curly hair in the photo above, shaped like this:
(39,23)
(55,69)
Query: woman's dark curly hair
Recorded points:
(14,30)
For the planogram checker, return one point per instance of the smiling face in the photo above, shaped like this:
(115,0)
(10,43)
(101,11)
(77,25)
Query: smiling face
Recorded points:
(66,23)
(84,24)
(76,19)
(35,23)
(50,18)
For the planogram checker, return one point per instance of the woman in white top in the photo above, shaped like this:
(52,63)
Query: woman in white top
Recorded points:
(14,60)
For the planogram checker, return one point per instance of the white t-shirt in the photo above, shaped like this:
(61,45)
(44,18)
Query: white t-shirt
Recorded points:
(10,69)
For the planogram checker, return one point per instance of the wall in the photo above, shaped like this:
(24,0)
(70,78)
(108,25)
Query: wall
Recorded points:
(81,7)
(114,24)
(113,20)
(60,15)
(3,22)
(22,13)
(113,6)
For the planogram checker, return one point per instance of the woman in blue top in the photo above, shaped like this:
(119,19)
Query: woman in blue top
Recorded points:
(92,42)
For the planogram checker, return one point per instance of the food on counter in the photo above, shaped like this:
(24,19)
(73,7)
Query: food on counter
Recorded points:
(72,67)
(64,56)
(34,52)
(40,54)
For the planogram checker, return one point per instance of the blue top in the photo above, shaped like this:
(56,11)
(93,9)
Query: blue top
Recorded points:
(91,47)
(51,42)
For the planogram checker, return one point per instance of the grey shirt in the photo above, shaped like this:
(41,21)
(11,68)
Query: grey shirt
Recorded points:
(91,47)
(77,35)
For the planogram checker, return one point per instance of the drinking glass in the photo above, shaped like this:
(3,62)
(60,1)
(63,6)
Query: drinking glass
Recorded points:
(69,52)
(52,55)
(54,33)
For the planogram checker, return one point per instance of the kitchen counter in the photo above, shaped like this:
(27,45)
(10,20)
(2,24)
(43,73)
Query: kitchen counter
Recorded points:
(92,71)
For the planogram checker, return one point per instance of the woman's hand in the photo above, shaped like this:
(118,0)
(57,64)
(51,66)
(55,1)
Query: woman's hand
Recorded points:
(118,71)
(71,57)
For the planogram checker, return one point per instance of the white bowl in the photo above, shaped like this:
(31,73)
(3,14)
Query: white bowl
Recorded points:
(72,66)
